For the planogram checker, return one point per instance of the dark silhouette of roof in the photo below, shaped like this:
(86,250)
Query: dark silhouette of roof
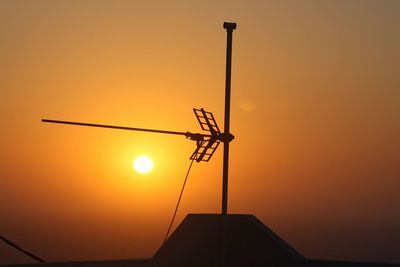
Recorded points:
(333,263)
(103,263)
(220,240)
(224,240)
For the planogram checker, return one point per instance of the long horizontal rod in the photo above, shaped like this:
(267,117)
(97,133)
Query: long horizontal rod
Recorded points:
(187,134)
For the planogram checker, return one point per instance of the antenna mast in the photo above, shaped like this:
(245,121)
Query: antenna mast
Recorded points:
(229,30)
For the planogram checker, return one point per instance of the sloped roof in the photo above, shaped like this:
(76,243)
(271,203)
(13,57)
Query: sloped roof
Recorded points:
(230,240)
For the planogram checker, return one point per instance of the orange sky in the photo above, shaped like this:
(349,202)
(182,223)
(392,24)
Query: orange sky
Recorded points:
(315,111)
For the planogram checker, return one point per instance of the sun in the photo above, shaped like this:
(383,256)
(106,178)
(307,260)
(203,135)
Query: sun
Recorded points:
(143,164)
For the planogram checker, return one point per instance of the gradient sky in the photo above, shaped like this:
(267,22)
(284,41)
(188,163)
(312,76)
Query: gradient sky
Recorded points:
(315,111)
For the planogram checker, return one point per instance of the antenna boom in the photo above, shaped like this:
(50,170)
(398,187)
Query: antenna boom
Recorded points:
(187,134)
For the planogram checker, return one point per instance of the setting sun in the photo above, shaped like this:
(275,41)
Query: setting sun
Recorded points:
(143,164)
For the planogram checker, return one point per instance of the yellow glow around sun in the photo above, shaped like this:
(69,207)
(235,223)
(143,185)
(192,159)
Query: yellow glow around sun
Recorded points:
(143,164)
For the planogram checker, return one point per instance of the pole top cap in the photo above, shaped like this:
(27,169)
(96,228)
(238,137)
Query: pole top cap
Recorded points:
(229,26)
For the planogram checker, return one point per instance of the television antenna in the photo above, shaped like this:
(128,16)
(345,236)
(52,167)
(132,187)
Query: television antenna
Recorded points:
(206,143)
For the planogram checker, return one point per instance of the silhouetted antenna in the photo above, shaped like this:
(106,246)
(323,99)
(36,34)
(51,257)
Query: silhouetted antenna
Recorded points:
(206,143)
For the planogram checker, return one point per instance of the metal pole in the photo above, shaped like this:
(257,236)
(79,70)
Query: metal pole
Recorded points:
(229,30)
